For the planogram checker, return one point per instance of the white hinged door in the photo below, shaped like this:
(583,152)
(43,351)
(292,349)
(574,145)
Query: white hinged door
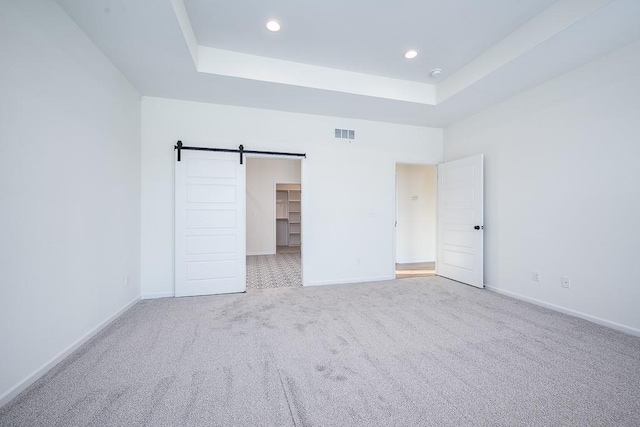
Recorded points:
(461,220)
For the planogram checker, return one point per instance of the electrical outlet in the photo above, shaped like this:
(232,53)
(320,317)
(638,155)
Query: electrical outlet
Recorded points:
(565,281)
(535,276)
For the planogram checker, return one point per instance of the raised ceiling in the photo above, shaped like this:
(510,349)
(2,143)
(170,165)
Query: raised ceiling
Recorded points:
(361,35)
(344,59)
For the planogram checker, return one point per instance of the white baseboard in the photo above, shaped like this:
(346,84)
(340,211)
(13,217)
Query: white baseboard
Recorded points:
(158,295)
(358,280)
(35,375)
(613,325)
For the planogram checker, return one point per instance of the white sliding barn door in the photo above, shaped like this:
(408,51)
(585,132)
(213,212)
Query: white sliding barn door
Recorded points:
(210,224)
(460,220)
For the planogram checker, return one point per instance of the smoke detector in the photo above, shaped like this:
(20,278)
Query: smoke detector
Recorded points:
(435,73)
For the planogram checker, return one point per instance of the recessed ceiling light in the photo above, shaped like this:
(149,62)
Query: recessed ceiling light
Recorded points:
(273,25)
(410,54)
(435,73)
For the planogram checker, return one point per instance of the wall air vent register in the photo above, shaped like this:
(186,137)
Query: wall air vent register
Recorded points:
(345,134)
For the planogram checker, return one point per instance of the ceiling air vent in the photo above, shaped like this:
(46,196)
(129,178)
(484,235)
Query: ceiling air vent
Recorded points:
(345,133)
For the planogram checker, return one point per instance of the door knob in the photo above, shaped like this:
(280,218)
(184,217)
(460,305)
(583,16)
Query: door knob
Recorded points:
(478,227)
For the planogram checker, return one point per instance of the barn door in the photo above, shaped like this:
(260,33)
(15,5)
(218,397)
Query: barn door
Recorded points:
(210,226)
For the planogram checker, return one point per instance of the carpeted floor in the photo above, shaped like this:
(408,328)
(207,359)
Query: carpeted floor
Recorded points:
(282,270)
(411,352)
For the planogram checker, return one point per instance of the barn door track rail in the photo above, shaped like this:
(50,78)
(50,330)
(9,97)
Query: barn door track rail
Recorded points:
(179,147)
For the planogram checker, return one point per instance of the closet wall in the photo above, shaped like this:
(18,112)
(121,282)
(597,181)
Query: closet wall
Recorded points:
(262,176)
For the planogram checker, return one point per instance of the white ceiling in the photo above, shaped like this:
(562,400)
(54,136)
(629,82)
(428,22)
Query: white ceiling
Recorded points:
(361,35)
(491,50)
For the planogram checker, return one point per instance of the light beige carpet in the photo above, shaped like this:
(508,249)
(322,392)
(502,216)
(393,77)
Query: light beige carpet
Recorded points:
(412,352)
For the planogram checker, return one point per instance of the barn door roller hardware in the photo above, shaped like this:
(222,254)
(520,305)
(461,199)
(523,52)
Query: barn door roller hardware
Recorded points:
(179,147)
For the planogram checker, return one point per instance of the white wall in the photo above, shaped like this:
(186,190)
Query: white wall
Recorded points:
(262,175)
(348,187)
(562,189)
(416,194)
(69,189)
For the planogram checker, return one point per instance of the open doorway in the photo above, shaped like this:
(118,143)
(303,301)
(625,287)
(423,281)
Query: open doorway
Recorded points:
(416,197)
(274,226)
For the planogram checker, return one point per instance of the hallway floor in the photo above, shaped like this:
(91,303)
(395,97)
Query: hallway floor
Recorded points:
(415,269)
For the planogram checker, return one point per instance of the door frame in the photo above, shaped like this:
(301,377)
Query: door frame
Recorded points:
(304,197)
(395,209)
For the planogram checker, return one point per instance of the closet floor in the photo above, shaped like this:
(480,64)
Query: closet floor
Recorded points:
(282,270)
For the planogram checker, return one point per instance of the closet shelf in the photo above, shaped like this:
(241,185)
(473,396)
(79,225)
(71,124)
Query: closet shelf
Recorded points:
(288,214)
